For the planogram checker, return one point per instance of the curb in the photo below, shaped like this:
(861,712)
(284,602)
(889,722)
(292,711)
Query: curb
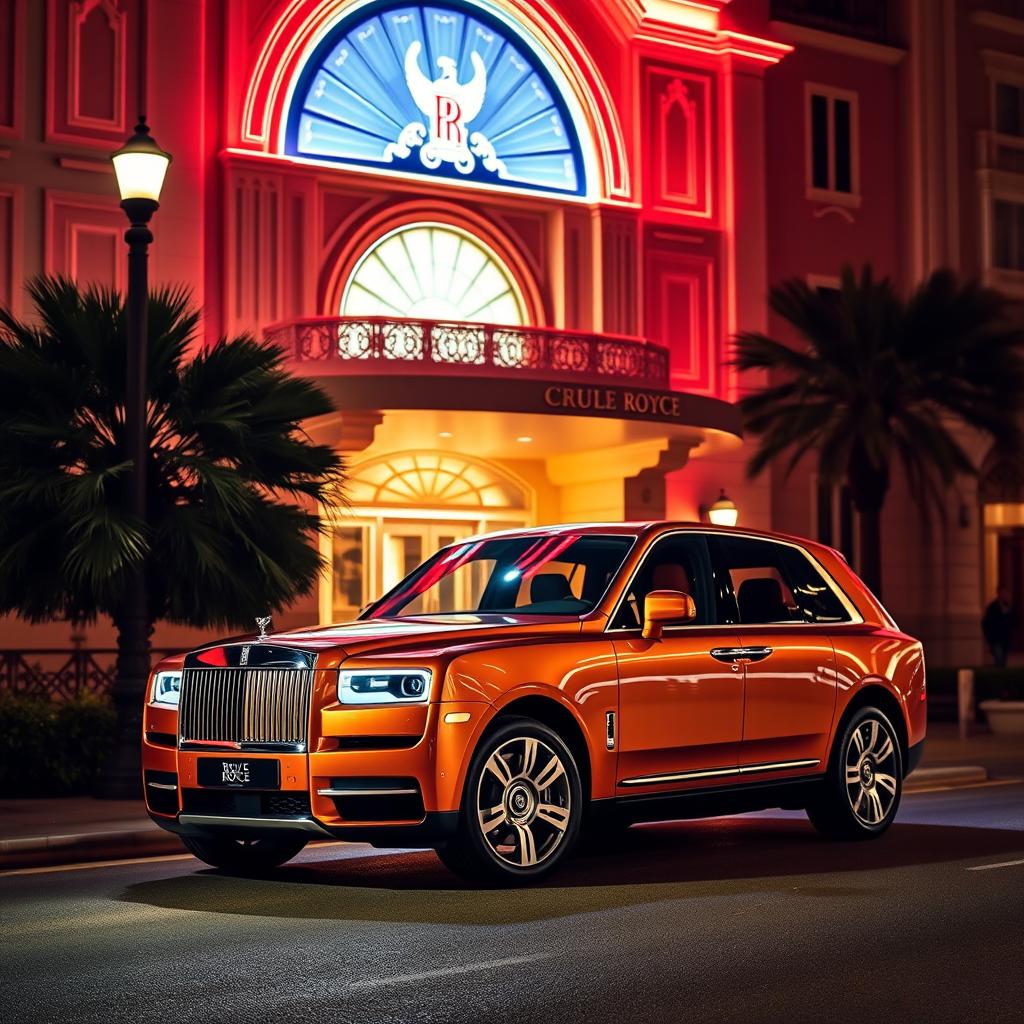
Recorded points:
(39,851)
(949,776)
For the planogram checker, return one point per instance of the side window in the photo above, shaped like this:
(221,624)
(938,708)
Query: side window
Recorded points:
(678,562)
(832,143)
(772,583)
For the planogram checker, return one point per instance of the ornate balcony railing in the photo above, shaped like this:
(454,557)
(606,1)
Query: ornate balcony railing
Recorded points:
(59,674)
(375,345)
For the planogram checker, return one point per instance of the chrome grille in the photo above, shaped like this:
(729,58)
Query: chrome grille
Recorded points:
(245,705)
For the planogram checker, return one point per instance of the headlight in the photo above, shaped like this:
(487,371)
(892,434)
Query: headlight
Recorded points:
(397,686)
(167,688)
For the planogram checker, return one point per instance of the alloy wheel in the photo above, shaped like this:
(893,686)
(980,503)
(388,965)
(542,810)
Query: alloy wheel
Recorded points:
(871,763)
(524,802)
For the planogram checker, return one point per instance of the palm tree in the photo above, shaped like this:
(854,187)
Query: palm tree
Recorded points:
(876,380)
(233,482)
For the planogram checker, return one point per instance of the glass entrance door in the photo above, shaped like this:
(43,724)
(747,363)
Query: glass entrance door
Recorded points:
(407,544)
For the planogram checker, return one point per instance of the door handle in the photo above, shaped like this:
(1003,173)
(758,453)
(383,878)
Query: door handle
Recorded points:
(737,654)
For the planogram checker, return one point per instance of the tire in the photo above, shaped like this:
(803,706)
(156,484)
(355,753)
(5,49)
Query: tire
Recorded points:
(521,807)
(862,789)
(244,856)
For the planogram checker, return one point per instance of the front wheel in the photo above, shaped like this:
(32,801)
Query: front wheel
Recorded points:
(521,808)
(862,789)
(244,856)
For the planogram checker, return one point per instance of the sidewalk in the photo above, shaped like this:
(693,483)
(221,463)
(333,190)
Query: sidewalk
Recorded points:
(67,830)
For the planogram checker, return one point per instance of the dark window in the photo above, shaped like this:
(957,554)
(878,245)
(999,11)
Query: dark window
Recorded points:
(771,583)
(819,141)
(1009,109)
(678,562)
(1008,235)
(832,142)
(843,143)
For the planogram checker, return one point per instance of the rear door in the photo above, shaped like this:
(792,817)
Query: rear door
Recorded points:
(784,609)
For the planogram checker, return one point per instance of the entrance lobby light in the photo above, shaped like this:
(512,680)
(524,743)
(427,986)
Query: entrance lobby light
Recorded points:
(722,511)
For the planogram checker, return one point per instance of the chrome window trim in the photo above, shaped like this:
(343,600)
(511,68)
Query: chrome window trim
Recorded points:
(855,618)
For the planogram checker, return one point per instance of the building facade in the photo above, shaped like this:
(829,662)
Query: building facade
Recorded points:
(512,238)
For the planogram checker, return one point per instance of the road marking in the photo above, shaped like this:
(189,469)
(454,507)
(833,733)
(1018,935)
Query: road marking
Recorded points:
(910,791)
(487,965)
(1002,864)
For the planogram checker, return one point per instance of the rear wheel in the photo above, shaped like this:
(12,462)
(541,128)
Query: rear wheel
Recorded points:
(521,807)
(862,790)
(244,856)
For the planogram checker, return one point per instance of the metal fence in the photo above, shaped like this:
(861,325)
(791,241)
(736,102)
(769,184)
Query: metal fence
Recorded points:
(59,674)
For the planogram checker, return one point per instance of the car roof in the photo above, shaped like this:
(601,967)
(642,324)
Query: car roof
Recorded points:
(644,529)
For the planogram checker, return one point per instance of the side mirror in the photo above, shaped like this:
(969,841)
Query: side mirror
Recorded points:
(665,606)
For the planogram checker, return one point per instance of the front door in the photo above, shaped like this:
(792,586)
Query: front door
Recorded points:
(680,707)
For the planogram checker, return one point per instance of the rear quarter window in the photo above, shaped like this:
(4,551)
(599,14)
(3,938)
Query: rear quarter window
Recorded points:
(768,582)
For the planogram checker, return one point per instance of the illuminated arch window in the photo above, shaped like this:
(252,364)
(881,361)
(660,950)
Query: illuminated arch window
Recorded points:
(432,480)
(443,88)
(433,272)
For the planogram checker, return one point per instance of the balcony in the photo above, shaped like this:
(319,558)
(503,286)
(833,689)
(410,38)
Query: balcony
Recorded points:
(332,346)
(871,20)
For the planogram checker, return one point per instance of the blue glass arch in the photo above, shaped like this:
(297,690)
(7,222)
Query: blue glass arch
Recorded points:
(441,88)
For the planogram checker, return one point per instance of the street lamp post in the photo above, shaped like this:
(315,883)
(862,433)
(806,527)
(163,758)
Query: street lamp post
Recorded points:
(140,166)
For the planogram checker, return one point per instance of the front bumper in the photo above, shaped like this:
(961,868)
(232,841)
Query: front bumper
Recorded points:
(343,789)
(436,828)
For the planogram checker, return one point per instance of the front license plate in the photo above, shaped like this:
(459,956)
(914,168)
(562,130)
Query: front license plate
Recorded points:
(240,772)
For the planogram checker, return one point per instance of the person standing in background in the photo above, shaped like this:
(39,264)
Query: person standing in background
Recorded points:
(997,626)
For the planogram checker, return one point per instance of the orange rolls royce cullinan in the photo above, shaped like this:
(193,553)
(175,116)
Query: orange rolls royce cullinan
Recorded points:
(520,687)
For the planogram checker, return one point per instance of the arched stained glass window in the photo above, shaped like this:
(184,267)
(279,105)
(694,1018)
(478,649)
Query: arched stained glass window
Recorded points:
(433,272)
(432,480)
(442,88)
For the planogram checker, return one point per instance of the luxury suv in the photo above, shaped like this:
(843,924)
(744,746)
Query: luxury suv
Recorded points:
(521,686)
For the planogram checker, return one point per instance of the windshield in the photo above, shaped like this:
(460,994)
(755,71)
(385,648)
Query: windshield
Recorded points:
(565,574)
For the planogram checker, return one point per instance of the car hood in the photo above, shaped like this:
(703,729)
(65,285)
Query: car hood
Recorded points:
(419,632)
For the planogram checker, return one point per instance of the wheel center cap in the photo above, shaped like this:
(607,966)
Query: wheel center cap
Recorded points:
(867,772)
(521,802)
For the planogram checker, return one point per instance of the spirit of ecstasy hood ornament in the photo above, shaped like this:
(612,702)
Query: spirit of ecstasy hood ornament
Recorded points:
(262,624)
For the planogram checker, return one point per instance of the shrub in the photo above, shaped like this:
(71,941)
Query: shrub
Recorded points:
(53,749)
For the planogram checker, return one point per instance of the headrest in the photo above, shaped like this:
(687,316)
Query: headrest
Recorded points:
(760,600)
(549,586)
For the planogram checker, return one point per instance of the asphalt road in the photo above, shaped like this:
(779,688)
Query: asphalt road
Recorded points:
(746,919)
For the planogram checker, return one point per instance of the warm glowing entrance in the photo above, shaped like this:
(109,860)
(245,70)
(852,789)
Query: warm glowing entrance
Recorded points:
(402,508)
(433,272)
